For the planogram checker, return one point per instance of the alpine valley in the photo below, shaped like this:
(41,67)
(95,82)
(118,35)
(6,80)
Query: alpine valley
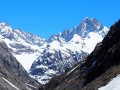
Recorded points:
(44,59)
(99,71)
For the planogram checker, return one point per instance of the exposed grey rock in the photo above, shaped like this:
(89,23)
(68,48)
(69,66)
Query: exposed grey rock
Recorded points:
(13,71)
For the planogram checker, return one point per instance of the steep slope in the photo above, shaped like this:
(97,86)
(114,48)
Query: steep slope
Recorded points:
(12,75)
(67,48)
(59,52)
(83,29)
(24,45)
(97,70)
(112,85)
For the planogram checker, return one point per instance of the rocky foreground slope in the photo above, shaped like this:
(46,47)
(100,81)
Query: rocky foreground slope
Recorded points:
(96,70)
(12,74)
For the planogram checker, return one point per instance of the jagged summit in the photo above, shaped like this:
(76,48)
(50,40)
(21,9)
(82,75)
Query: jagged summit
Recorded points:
(100,67)
(23,45)
(53,56)
(3,24)
(88,25)
(66,49)
(83,29)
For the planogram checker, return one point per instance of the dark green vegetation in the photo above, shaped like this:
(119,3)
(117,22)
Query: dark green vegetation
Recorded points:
(97,70)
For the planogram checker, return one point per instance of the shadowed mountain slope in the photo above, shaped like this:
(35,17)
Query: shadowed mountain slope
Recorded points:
(97,70)
(12,75)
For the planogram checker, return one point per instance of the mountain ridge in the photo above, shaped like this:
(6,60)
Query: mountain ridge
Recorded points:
(66,49)
(67,46)
(96,70)
(86,26)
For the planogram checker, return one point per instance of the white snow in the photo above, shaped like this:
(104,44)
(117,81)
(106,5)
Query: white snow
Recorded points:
(76,44)
(10,84)
(26,59)
(65,46)
(50,72)
(42,66)
(114,84)
(72,70)
(1,40)
(41,79)
(45,78)
(91,41)
(31,86)
(105,29)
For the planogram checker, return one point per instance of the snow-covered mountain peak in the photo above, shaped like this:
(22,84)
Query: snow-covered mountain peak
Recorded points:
(86,18)
(67,48)
(18,30)
(24,45)
(83,29)
(4,24)
(59,52)
(5,28)
(88,25)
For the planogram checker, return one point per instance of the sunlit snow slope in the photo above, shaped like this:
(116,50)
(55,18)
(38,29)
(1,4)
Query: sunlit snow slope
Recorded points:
(114,84)
(67,48)
(51,57)
(25,46)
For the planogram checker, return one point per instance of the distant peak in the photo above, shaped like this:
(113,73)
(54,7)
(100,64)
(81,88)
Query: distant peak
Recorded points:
(4,23)
(93,19)
(86,18)
(18,30)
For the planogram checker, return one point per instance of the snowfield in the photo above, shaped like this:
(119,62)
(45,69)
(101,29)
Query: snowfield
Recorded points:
(114,84)
(44,59)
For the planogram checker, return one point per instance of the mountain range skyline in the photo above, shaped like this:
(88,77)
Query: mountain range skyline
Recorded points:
(58,33)
(45,58)
(45,18)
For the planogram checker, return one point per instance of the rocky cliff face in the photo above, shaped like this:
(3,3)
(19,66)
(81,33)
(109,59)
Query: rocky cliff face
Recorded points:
(97,70)
(44,59)
(83,29)
(12,74)
(66,49)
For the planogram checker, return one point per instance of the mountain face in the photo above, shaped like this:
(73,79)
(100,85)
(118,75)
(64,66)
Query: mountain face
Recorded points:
(12,75)
(54,56)
(96,70)
(66,49)
(24,45)
(83,29)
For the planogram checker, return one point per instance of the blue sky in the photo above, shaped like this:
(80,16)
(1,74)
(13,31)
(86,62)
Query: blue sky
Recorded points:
(47,17)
